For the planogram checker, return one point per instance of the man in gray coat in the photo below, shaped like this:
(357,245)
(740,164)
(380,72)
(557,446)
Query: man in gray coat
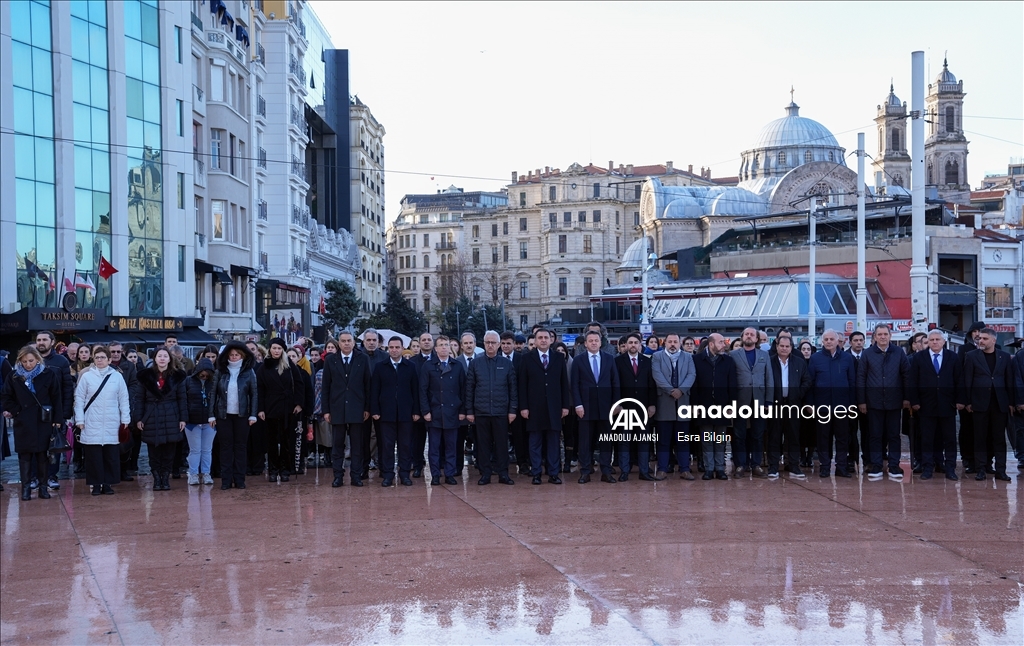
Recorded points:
(756,386)
(674,375)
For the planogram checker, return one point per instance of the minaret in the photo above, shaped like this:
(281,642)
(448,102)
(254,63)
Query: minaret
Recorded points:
(945,149)
(892,158)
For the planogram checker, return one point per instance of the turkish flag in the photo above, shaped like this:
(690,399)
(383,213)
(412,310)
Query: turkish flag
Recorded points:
(106,269)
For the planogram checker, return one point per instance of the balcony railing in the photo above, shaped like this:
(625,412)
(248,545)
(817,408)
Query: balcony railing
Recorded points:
(298,168)
(261,106)
(298,118)
(197,22)
(295,68)
(261,54)
(199,172)
(264,261)
(300,265)
(302,29)
(261,210)
(261,160)
(216,37)
(199,93)
(444,246)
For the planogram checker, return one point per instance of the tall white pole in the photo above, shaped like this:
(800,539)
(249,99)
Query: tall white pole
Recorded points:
(812,313)
(918,268)
(643,268)
(862,291)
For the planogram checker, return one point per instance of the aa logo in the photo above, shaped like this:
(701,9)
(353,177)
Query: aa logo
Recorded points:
(630,419)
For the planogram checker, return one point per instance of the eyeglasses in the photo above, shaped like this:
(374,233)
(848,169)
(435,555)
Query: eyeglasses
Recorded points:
(115,352)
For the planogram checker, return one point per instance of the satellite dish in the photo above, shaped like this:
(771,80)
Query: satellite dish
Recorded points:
(69,301)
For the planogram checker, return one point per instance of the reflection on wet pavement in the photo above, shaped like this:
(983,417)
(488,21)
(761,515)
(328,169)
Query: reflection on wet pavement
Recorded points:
(749,561)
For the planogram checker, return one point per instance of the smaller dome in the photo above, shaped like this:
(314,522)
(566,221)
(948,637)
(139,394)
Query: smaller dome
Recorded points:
(892,99)
(635,258)
(945,76)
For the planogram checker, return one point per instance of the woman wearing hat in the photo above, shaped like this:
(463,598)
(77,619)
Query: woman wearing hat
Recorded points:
(281,398)
(234,410)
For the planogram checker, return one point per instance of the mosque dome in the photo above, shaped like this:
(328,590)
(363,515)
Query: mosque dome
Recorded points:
(945,76)
(794,130)
(892,100)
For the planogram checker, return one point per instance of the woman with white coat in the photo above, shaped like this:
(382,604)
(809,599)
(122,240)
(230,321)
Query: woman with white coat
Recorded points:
(102,405)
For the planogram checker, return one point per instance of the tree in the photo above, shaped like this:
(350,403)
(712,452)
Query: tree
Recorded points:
(396,315)
(341,306)
(463,316)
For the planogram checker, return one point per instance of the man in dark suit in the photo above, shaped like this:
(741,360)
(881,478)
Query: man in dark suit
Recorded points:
(881,394)
(789,372)
(933,385)
(860,440)
(990,395)
(419,429)
(636,381)
(517,436)
(966,438)
(346,405)
(442,398)
(595,388)
(715,384)
(543,381)
(492,399)
(395,405)
(833,384)
(371,430)
(467,431)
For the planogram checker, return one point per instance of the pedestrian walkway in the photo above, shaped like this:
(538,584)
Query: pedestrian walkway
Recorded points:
(743,561)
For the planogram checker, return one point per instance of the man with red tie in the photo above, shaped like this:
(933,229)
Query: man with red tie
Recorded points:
(636,381)
(543,381)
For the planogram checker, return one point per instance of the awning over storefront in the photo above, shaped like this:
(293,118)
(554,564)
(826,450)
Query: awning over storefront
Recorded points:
(242,270)
(219,275)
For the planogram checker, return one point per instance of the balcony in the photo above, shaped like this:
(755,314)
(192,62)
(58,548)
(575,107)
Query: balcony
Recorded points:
(259,6)
(261,210)
(197,23)
(572,226)
(300,265)
(261,55)
(297,215)
(299,169)
(261,107)
(302,29)
(264,262)
(444,246)
(298,118)
(261,160)
(199,172)
(295,68)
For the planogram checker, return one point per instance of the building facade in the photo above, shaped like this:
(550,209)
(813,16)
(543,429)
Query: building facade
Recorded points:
(945,148)
(366,160)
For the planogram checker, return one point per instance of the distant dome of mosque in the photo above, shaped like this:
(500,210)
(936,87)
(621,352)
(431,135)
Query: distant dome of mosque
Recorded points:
(794,130)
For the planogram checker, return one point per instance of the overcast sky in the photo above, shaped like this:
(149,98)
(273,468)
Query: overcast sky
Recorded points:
(469,92)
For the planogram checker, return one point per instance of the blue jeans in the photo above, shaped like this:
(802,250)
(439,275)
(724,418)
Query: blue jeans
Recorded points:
(200,447)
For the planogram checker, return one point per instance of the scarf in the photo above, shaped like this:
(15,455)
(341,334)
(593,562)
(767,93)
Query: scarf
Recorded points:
(29,375)
(234,368)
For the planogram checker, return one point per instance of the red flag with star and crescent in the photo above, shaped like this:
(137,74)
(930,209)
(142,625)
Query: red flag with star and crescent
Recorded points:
(106,269)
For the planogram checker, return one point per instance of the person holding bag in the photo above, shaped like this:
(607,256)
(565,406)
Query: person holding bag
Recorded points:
(33,397)
(102,407)
(163,412)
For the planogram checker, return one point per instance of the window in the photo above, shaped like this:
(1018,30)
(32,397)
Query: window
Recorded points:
(524,289)
(522,251)
(636,218)
(476,230)
(494,255)
(952,172)
(831,156)
(597,217)
(895,138)
(809,157)
(524,321)
(588,286)
(522,225)
(587,244)
(522,198)
(426,299)
(551,193)
(219,225)
(636,192)
(583,217)
(476,256)
(617,248)
(181,190)
(950,119)
(597,190)
(231,153)
(215,140)
(494,230)
(426,261)
(426,239)
(567,217)
(616,218)
(476,293)
(563,286)
(782,159)
(177,44)
(424,219)
(563,243)
(552,219)
(180,117)
(504,252)
(181,263)
(426,285)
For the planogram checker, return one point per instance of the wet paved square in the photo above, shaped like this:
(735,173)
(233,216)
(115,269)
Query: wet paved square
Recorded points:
(820,561)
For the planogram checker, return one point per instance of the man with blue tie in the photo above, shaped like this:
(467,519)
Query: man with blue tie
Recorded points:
(933,383)
(395,405)
(442,400)
(543,381)
(595,388)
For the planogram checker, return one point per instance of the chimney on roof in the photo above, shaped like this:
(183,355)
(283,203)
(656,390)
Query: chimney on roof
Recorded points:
(622,169)
(689,169)
(629,169)
(707,173)
(538,173)
(668,167)
(529,175)
(547,171)
(611,166)
(515,177)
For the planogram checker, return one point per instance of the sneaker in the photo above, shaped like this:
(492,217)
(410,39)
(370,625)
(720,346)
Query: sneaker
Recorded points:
(773,474)
(207,479)
(35,483)
(193,479)
(895,473)
(874,472)
(795,472)
(53,483)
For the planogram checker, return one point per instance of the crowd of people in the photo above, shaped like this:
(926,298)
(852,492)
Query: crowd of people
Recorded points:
(244,410)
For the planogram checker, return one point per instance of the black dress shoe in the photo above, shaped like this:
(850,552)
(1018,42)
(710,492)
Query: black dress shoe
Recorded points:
(584,479)
(536,480)
(406,482)
(417,473)
(127,478)
(926,475)
(720,475)
(224,486)
(450,480)
(238,485)
(26,492)
(96,490)
(338,481)
(506,480)
(357,482)
(483,481)
(980,475)
(607,478)
(387,482)
(708,475)
(1001,475)
(554,480)
(951,475)
(843,473)
(284,477)
(435,481)
(106,490)
(624,476)
(646,477)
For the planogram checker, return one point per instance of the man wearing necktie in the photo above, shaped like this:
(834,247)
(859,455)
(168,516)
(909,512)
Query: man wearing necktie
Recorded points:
(636,381)
(933,390)
(346,406)
(543,382)
(466,440)
(517,434)
(395,405)
(442,400)
(595,388)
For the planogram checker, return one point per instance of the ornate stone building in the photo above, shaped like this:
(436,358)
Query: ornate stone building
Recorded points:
(893,160)
(945,149)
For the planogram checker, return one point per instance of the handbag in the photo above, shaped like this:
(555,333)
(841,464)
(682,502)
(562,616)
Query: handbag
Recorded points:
(124,434)
(45,412)
(58,441)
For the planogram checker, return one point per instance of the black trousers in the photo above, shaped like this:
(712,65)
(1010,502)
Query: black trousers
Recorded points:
(371,445)
(860,440)
(541,443)
(256,447)
(130,460)
(39,460)
(884,428)
(280,446)
(161,457)
(990,431)
(938,442)
(492,445)
(392,434)
(783,429)
(520,442)
(233,432)
(102,464)
(354,432)
(419,444)
(838,430)
(967,439)
(460,447)
(590,430)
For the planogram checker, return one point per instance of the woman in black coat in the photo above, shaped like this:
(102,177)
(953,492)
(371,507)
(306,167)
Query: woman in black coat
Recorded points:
(163,411)
(306,423)
(282,395)
(30,388)
(234,406)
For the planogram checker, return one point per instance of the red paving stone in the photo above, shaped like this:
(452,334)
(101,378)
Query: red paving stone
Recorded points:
(738,562)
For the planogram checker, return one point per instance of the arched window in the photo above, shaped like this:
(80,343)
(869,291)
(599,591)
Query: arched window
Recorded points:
(831,156)
(782,159)
(898,180)
(551,194)
(881,141)
(808,157)
(950,119)
(931,174)
(426,261)
(896,139)
(952,172)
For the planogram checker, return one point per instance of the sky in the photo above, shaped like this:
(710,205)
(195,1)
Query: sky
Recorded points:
(469,92)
